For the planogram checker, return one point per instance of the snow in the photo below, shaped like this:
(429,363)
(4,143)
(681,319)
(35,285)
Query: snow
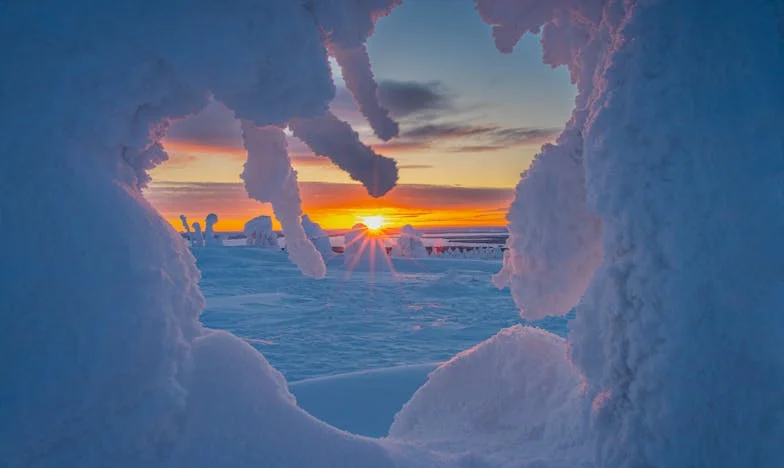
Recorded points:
(658,213)
(197,238)
(682,170)
(269,177)
(258,231)
(365,250)
(318,237)
(259,422)
(362,402)
(210,238)
(512,400)
(430,310)
(409,244)
(331,137)
(185,225)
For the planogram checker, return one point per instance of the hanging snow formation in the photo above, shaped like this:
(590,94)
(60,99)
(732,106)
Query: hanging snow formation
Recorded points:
(318,237)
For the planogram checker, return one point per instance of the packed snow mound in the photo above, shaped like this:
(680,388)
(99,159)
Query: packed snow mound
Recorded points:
(409,244)
(258,231)
(514,400)
(210,238)
(240,405)
(318,237)
(365,250)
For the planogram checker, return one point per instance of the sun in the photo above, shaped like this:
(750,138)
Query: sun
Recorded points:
(374,223)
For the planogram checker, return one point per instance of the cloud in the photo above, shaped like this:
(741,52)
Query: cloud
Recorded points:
(433,131)
(484,137)
(415,166)
(404,98)
(327,195)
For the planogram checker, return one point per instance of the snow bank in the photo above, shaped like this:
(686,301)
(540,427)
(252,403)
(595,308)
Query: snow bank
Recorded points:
(258,231)
(409,244)
(513,400)
(318,237)
(365,250)
(361,402)
(239,409)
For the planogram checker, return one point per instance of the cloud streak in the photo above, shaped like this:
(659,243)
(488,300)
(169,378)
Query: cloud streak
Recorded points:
(337,199)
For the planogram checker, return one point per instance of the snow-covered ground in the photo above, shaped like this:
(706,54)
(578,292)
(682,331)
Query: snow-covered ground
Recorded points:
(429,310)
(355,346)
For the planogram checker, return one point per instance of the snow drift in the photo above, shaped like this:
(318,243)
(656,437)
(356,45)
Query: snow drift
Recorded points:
(512,400)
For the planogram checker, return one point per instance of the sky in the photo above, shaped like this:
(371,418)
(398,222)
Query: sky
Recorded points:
(471,119)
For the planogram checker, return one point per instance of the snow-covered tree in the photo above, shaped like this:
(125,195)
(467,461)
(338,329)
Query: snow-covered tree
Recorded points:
(210,238)
(258,231)
(409,244)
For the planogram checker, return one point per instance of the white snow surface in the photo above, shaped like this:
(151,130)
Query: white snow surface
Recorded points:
(513,400)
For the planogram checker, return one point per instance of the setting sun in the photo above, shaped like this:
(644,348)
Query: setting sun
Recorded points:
(373,223)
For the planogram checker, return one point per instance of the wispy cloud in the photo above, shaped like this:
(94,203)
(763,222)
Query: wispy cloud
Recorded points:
(465,137)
